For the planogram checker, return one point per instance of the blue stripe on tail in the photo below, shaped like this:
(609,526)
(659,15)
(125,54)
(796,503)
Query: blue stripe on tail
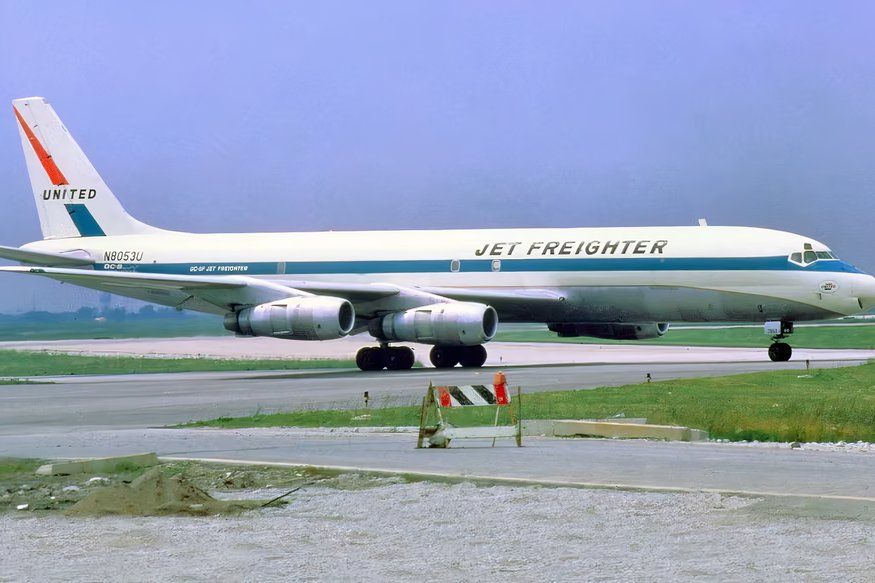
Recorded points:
(84,221)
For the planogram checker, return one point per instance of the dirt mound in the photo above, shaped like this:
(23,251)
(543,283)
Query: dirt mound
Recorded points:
(154,494)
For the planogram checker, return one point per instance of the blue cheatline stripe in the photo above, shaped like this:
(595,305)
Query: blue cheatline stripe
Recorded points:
(779,263)
(84,221)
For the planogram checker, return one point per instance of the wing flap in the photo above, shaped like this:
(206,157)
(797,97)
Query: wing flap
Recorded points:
(511,303)
(354,292)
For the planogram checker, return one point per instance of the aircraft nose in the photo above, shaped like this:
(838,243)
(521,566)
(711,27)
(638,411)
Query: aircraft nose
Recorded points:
(865,291)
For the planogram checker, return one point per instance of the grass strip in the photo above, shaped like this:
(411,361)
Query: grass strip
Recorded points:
(13,466)
(838,337)
(14,363)
(818,405)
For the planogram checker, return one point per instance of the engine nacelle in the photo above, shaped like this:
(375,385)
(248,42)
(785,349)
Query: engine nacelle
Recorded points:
(304,318)
(610,331)
(453,324)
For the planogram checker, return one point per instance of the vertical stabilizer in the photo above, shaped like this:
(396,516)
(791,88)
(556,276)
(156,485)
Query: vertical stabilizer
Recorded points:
(71,197)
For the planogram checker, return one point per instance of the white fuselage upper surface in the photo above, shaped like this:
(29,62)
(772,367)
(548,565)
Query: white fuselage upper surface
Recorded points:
(608,274)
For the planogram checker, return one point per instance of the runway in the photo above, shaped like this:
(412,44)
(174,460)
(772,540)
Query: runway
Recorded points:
(499,353)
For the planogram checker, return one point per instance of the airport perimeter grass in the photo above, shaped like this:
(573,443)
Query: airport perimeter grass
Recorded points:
(817,405)
(14,363)
(861,336)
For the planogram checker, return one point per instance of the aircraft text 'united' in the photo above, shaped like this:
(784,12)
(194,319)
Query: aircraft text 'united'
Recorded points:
(69,193)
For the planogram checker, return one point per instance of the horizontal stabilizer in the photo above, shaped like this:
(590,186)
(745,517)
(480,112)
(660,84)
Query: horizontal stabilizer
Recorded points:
(75,259)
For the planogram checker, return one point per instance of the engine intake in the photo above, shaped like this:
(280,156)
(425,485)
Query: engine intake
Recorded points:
(453,324)
(302,318)
(610,331)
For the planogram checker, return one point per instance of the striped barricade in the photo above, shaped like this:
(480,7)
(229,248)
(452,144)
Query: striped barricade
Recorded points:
(436,431)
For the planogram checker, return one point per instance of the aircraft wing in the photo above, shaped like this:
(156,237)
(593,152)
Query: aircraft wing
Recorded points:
(219,294)
(375,298)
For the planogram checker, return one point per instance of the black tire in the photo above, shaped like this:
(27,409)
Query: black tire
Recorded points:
(399,358)
(780,352)
(472,356)
(370,359)
(443,356)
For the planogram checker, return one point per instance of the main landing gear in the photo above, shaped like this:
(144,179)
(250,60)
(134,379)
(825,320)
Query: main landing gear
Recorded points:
(779,351)
(374,358)
(450,356)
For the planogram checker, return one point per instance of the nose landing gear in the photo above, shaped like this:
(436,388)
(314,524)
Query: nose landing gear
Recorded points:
(779,351)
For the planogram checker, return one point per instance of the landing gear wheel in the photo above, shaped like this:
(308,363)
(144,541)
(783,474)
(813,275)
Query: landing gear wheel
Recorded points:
(780,352)
(472,356)
(443,356)
(399,358)
(370,359)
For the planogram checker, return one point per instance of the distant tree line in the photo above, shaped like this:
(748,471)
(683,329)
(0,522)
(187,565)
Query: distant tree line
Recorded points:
(88,313)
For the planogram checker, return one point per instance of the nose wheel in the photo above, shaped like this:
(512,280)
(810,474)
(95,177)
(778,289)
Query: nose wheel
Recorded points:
(780,352)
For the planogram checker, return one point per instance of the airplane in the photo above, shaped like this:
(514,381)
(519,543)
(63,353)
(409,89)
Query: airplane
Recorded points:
(444,288)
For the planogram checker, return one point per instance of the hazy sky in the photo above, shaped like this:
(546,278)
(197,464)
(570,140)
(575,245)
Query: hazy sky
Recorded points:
(250,116)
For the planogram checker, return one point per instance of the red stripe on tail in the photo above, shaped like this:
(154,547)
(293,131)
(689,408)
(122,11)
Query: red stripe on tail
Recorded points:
(55,174)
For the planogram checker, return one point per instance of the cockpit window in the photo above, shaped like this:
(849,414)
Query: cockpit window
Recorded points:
(808,256)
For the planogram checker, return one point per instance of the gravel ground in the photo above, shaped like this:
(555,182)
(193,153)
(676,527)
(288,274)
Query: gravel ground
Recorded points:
(381,529)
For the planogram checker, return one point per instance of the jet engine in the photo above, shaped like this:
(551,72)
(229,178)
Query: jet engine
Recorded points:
(610,331)
(301,318)
(451,324)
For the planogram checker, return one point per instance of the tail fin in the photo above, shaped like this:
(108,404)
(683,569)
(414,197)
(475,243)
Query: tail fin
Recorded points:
(71,197)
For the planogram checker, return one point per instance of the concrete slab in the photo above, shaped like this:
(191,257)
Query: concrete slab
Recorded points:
(583,428)
(98,465)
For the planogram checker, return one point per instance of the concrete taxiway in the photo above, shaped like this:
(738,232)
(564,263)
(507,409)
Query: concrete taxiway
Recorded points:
(627,464)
